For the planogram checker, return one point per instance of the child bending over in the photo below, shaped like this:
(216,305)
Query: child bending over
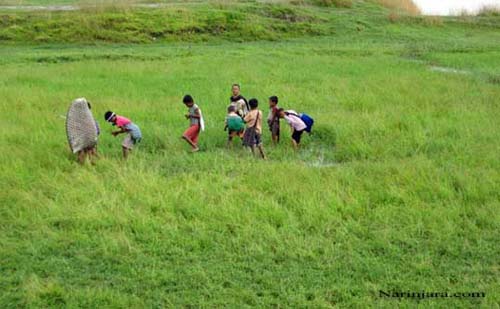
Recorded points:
(234,124)
(126,126)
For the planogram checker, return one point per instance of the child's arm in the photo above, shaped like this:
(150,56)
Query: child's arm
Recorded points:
(122,130)
(276,116)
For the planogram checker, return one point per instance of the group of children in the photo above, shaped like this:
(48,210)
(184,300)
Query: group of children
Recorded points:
(243,120)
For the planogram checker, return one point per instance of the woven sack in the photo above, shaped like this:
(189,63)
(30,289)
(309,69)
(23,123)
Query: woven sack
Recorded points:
(80,126)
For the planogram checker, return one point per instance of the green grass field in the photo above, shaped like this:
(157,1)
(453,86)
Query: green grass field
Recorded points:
(397,189)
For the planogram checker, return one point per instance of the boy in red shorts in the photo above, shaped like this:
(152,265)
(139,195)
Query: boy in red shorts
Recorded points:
(194,116)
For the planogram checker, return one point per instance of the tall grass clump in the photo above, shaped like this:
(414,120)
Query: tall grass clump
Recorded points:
(335,3)
(103,6)
(489,11)
(325,3)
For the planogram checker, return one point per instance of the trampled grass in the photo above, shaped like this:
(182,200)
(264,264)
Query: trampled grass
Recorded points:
(397,190)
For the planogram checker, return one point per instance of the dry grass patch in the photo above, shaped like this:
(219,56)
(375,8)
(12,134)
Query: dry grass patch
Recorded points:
(407,6)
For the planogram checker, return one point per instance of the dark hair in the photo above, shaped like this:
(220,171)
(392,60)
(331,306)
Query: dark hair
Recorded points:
(187,99)
(253,103)
(281,110)
(273,99)
(237,85)
(231,108)
(107,115)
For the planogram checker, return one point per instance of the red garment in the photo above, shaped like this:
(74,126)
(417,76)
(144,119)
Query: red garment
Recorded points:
(122,121)
(192,133)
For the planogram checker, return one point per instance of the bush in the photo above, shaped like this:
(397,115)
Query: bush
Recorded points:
(489,11)
(433,21)
(335,3)
(393,17)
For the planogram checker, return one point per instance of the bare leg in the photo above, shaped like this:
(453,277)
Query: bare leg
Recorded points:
(190,142)
(125,151)
(88,154)
(295,145)
(261,150)
(94,152)
(81,156)
(240,135)
(230,140)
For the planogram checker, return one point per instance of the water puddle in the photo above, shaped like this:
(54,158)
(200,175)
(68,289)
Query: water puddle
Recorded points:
(76,7)
(319,164)
(317,157)
(39,7)
(448,70)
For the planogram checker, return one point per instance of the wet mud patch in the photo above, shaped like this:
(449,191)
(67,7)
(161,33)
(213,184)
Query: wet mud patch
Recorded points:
(449,70)
(318,150)
(110,57)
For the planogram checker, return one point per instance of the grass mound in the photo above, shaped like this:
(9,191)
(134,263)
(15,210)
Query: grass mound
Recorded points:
(243,23)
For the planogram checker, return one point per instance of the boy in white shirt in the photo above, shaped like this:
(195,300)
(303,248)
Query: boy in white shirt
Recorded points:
(239,102)
(296,124)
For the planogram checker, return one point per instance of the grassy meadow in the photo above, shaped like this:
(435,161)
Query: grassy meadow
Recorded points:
(396,190)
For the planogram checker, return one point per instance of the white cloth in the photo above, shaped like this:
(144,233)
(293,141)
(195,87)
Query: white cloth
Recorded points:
(241,107)
(202,121)
(295,122)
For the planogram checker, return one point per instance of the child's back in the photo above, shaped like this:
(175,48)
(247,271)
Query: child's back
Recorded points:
(254,119)
(131,127)
(252,137)
(234,122)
